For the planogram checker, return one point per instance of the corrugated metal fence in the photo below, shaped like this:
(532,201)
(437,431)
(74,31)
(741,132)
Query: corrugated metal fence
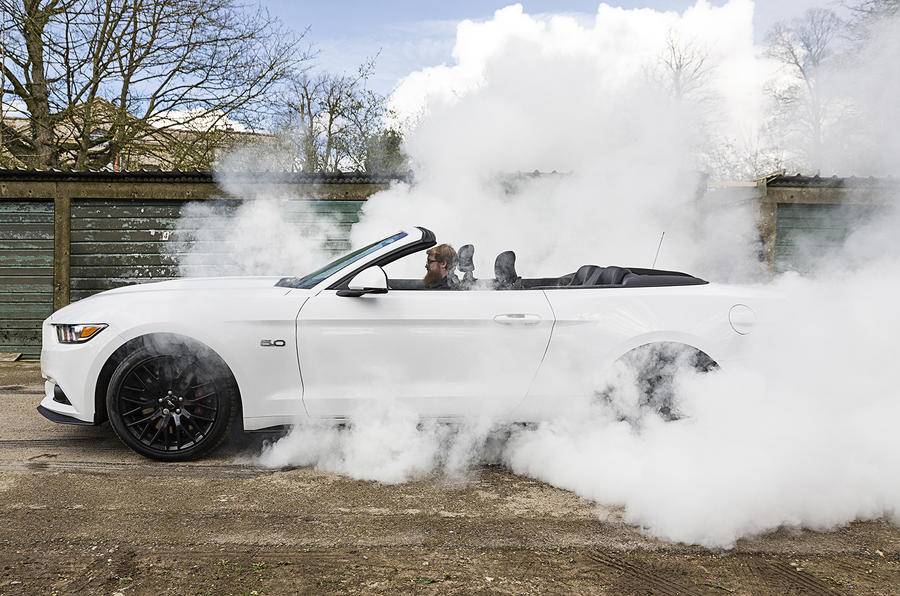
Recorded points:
(26,272)
(67,235)
(810,217)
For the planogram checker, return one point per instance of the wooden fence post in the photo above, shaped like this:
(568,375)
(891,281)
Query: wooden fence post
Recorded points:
(62,235)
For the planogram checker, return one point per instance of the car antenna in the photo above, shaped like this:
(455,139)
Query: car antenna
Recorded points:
(661,236)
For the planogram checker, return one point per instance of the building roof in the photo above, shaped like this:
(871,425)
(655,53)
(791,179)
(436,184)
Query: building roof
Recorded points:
(799,180)
(274,177)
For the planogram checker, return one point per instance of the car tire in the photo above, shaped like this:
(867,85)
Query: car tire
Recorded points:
(171,402)
(652,369)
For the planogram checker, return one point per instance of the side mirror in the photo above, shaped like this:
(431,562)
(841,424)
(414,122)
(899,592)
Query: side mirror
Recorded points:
(372,280)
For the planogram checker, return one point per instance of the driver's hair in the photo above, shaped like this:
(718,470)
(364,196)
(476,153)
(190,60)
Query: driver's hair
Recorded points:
(443,253)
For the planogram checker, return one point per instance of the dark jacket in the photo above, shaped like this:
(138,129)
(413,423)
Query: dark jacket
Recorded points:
(441,284)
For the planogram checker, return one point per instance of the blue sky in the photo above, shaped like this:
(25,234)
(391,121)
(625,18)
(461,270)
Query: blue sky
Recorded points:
(413,34)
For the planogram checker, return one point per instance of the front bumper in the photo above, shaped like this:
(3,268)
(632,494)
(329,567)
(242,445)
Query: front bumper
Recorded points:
(61,418)
(74,368)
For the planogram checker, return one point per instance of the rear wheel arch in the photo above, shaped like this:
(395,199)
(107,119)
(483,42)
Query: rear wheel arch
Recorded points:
(154,339)
(653,367)
(696,357)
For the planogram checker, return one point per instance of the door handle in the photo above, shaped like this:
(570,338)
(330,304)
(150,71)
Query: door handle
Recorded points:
(517,319)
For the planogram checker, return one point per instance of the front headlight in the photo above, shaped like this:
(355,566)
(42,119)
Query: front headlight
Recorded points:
(77,334)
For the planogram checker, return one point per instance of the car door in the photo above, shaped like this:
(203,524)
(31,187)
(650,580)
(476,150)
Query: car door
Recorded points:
(442,353)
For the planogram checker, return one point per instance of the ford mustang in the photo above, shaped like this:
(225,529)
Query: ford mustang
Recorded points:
(173,365)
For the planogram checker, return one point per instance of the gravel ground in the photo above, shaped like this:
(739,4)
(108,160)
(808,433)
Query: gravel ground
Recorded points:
(80,513)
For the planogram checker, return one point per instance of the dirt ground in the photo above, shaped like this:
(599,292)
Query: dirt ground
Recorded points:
(80,513)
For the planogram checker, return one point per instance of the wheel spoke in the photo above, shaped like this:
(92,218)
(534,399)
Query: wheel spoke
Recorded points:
(134,376)
(136,400)
(203,418)
(185,379)
(202,389)
(189,432)
(145,419)
(144,432)
(149,374)
(176,425)
(150,379)
(169,374)
(208,406)
(137,409)
(197,398)
(165,429)
(156,434)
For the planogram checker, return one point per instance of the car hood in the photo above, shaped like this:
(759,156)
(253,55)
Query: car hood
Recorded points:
(198,283)
(177,293)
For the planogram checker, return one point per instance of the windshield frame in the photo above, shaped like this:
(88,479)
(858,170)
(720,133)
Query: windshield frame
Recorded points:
(380,259)
(347,262)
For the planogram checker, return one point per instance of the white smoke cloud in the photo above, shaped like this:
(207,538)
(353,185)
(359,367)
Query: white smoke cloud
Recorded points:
(552,94)
(867,142)
(256,228)
(556,60)
(386,442)
(798,435)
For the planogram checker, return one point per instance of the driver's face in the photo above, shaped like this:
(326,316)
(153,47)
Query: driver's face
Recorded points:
(435,270)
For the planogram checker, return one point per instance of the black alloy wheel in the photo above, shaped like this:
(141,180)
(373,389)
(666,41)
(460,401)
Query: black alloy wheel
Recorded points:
(171,405)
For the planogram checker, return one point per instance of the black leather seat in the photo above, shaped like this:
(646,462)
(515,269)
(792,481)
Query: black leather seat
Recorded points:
(505,274)
(592,275)
(587,275)
(611,276)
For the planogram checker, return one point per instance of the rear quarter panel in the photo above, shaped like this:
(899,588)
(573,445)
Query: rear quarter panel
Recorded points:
(596,326)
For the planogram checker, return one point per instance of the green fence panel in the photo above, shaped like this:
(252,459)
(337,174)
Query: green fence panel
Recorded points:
(26,274)
(808,234)
(119,242)
(122,242)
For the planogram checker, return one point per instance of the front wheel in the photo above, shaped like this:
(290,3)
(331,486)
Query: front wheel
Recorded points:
(171,403)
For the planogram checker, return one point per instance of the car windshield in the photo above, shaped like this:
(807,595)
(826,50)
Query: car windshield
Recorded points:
(309,281)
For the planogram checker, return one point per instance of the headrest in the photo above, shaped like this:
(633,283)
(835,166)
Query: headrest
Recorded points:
(464,258)
(505,267)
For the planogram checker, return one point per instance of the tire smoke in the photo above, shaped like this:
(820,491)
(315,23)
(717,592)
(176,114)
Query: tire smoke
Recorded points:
(800,433)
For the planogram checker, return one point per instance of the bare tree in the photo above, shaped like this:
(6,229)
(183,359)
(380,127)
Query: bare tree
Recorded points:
(684,72)
(684,69)
(806,46)
(335,122)
(868,14)
(874,8)
(314,119)
(106,78)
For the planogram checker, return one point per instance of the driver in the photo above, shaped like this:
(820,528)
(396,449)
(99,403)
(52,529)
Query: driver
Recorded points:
(441,260)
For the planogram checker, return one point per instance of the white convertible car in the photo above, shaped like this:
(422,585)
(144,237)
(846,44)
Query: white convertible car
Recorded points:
(173,364)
